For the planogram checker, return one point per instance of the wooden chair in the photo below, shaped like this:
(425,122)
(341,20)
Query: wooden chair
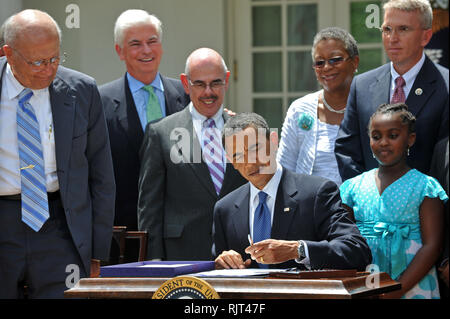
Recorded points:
(120,235)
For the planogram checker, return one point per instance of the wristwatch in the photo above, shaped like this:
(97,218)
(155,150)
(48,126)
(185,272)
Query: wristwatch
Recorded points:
(301,250)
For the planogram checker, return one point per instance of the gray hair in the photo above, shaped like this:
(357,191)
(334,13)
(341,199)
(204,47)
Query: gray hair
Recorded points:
(423,6)
(241,121)
(337,34)
(132,18)
(13,29)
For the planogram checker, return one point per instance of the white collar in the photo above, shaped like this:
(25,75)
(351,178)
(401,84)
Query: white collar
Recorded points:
(271,187)
(412,73)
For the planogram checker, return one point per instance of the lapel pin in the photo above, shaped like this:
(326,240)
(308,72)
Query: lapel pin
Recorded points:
(287,209)
(419,91)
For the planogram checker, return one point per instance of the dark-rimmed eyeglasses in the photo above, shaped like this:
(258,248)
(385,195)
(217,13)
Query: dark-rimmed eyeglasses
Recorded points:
(332,62)
(214,85)
(40,64)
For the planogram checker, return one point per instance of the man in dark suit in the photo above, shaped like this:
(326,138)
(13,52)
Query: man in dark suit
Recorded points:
(280,218)
(56,177)
(138,38)
(405,31)
(440,170)
(183,166)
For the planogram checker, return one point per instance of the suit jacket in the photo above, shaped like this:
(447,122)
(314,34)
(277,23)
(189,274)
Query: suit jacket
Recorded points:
(126,134)
(440,170)
(83,160)
(315,216)
(176,192)
(371,89)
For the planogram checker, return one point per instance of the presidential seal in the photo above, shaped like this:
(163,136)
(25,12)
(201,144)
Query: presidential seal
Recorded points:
(185,287)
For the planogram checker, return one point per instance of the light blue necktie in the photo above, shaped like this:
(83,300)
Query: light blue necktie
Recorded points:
(213,153)
(32,173)
(153,109)
(262,222)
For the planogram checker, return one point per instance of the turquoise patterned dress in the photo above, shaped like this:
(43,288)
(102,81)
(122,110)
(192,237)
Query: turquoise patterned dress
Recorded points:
(390,222)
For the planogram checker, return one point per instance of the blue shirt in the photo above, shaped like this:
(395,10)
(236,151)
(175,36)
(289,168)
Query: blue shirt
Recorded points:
(141,96)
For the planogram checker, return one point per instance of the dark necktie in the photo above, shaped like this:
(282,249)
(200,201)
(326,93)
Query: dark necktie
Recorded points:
(262,222)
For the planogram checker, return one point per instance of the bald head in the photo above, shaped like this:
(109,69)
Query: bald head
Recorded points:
(202,56)
(32,40)
(206,81)
(30,25)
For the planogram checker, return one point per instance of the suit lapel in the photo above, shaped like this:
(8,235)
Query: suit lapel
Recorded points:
(425,81)
(380,89)
(127,116)
(285,206)
(240,217)
(194,157)
(63,104)
(173,100)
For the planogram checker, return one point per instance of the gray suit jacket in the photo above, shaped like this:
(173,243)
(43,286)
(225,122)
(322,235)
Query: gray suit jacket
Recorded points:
(371,89)
(83,160)
(176,192)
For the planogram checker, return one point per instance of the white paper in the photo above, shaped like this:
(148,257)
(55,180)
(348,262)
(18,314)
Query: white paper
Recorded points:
(249,272)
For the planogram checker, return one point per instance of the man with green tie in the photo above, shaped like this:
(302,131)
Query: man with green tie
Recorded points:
(141,96)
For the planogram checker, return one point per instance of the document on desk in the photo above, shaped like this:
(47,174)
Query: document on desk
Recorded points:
(236,273)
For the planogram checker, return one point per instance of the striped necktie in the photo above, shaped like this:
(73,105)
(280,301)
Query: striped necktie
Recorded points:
(32,174)
(262,225)
(153,109)
(213,153)
(399,93)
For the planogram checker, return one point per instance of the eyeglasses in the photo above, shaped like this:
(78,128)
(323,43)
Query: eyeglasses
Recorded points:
(332,62)
(214,85)
(401,30)
(40,64)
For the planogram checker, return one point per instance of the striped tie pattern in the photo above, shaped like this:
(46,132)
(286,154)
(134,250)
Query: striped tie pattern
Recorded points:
(32,174)
(262,222)
(399,94)
(213,153)
(153,109)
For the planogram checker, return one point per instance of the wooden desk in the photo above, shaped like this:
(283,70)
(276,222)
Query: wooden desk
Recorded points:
(240,288)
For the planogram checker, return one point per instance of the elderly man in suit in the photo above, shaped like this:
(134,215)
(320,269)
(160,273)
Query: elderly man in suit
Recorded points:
(410,77)
(280,218)
(56,177)
(129,106)
(183,168)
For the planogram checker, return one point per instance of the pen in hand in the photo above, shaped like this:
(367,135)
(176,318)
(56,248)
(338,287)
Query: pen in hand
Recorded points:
(250,240)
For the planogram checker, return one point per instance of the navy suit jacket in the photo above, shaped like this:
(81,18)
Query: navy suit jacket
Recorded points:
(371,89)
(83,160)
(126,135)
(315,216)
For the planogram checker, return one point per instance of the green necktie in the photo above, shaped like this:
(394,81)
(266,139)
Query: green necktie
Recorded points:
(152,109)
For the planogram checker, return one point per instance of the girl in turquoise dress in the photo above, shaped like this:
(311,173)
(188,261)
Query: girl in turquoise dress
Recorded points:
(398,209)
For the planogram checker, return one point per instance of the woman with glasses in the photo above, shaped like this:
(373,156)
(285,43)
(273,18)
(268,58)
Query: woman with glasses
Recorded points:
(312,122)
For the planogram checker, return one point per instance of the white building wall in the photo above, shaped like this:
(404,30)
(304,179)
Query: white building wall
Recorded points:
(187,25)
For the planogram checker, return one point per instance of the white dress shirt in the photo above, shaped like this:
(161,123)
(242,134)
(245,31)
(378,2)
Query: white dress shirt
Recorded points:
(10,183)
